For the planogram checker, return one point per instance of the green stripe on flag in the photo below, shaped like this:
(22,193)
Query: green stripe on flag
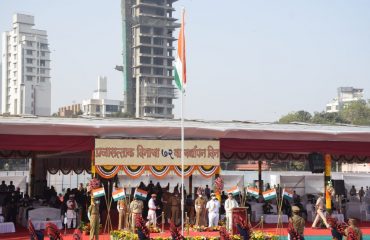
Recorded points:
(178,80)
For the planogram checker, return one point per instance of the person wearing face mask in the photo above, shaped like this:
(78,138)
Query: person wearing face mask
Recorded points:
(213,207)
(200,204)
(94,216)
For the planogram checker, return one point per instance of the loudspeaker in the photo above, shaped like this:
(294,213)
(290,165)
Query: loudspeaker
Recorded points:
(316,162)
(338,186)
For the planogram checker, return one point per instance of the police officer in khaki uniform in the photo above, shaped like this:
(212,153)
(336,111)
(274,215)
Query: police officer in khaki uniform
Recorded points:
(297,221)
(200,207)
(136,209)
(175,208)
(93,214)
(122,215)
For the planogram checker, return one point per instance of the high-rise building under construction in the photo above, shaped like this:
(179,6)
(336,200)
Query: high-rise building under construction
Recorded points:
(147,29)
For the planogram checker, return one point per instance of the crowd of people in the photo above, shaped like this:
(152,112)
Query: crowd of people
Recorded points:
(201,209)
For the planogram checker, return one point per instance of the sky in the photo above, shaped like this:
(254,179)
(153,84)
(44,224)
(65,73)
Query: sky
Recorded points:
(246,60)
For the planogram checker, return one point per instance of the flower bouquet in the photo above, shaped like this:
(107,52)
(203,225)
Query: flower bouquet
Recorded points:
(293,234)
(337,229)
(142,229)
(175,233)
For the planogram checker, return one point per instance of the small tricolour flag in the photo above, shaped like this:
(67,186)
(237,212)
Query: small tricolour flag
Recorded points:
(180,62)
(269,194)
(119,194)
(253,191)
(287,194)
(98,192)
(141,194)
(234,190)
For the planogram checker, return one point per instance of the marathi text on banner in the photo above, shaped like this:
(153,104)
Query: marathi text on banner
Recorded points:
(156,152)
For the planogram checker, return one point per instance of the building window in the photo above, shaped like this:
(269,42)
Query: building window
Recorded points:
(43,46)
(29,52)
(97,109)
(146,50)
(29,60)
(158,41)
(42,71)
(145,60)
(111,108)
(15,56)
(15,48)
(145,70)
(42,79)
(158,51)
(158,31)
(158,71)
(29,43)
(29,78)
(145,40)
(29,69)
(14,73)
(145,29)
(42,63)
(158,61)
(43,54)
(15,39)
(15,65)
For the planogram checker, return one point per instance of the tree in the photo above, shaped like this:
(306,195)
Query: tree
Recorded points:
(357,113)
(300,116)
(328,118)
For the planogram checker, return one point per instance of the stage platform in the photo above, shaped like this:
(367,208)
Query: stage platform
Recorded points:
(311,234)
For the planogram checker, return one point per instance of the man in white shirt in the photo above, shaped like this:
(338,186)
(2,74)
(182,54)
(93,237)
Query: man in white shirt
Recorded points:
(213,207)
(152,216)
(320,212)
(71,213)
(230,203)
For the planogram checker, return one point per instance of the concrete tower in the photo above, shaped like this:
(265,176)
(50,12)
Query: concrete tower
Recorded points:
(147,31)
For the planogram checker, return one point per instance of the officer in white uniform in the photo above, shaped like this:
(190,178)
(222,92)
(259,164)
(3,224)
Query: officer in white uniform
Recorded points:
(152,216)
(230,203)
(213,207)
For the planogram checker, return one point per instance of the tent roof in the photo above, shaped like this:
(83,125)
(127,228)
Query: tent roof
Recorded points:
(170,129)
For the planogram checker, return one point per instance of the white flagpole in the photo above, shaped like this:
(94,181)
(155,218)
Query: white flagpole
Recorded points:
(182,161)
(182,145)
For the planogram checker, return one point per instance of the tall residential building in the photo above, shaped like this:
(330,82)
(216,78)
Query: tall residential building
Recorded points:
(147,29)
(345,96)
(25,69)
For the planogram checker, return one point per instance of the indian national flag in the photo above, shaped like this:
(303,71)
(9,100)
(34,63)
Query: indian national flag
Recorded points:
(98,192)
(253,191)
(118,194)
(141,194)
(287,194)
(180,62)
(269,194)
(234,190)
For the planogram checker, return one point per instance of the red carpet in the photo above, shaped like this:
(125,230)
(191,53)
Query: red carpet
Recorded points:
(22,233)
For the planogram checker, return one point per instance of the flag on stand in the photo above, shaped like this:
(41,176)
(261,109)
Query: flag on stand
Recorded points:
(287,194)
(234,190)
(269,194)
(180,62)
(98,192)
(253,191)
(141,194)
(119,194)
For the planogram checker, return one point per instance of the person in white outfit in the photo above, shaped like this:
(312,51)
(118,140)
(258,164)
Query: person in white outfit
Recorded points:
(213,207)
(320,212)
(71,213)
(230,203)
(152,215)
